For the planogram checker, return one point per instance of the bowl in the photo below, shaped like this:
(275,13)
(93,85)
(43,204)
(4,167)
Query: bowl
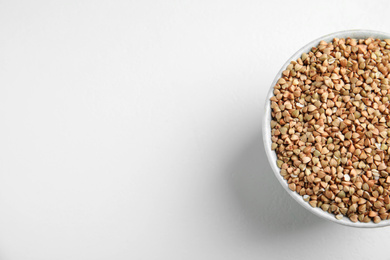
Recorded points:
(266,128)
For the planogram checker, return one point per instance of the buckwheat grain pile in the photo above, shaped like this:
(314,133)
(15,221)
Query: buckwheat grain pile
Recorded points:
(331,127)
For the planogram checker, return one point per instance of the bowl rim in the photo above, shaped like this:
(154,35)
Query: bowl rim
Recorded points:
(266,129)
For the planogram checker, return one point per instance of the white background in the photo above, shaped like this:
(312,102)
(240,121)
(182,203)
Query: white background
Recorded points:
(131,130)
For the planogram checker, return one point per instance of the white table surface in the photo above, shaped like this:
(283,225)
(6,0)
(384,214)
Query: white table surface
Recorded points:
(131,130)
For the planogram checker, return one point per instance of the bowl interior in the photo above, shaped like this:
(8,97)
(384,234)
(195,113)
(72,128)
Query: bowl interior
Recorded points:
(357,34)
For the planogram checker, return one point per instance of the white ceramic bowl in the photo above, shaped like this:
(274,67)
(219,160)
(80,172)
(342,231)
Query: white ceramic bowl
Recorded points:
(357,34)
